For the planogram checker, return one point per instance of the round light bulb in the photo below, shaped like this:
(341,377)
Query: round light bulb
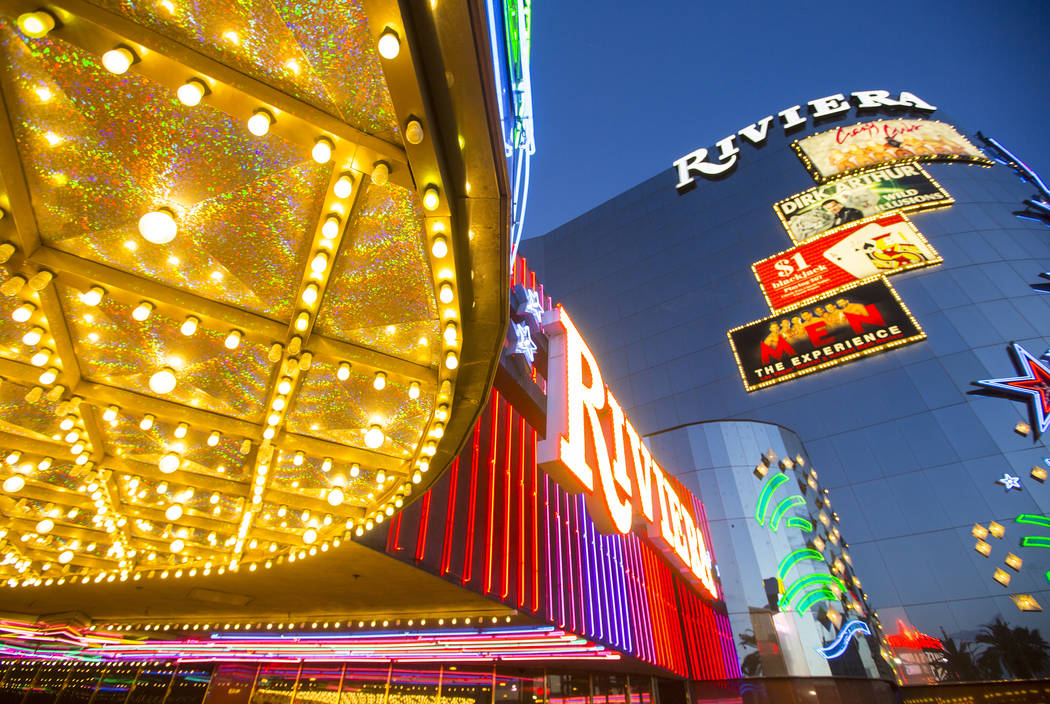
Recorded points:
(45,526)
(146,423)
(319,263)
(14,484)
(379,381)
(33,336)
(192,92)
(417,477)
(180,430)
(40,358)
(335,497)
(162,382)
(118,60)
(189,326)
(259,123)
(451,333)
(65,556)
(431,200)
(309,536)
(310,294)
(36,24)
(380,173)
(413,390)
(177,545)
(374,437)
(330,228)
(302,321)
(142,311)
(213,438)
(355,469)
(158,226)
(285,387)
(233,340)
(343,373)
(169,463)
(440,247)
(49,376)
(451,360)
(322,151)
(344,186)
(173,513)
(110,414)
(93,296)
(23,312)
(445,293)
(389,44)
(414,132)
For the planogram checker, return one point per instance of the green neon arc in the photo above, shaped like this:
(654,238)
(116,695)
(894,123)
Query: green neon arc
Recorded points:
(782,508)
(811,580)
(767,492)
(1035,541)
(813,597)
(799,522)
(796,556)
(1034,520)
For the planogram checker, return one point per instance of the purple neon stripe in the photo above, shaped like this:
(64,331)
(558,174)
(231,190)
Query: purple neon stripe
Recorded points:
(579,539)
(621,572)
(614,583)
(594,593)
(570,575)
(645,612)
(562,583)
(549,606)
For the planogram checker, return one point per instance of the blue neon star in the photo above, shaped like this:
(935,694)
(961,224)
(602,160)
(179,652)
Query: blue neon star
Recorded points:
(1009,481)
(523,343)
(1034,386)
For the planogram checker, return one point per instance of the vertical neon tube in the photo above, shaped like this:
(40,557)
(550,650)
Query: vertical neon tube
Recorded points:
(450,516)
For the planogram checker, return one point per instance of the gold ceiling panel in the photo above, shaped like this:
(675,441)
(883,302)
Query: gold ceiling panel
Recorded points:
(320,52)
(39,421)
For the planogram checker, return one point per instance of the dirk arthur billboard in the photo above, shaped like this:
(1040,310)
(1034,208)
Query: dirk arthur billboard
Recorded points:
(880,245)
(858,321)
(901,188)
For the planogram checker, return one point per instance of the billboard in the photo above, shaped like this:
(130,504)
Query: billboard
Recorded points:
(845,150)
(864,319)
(902,188)
(879,245)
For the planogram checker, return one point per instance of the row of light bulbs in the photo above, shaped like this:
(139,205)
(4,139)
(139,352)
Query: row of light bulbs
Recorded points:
(292,625)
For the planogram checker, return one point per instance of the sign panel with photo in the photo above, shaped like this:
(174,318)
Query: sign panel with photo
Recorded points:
(879,245)
(853,148)
(863,319)
(902,188)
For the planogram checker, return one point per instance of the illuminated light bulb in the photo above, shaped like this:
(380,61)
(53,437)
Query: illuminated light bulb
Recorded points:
(343,372)
(110,413)
(23,312)
(142,311)
(285,386)
(67,423)
(441,413)
(440,247)
(269,433)
(93,296)
(414,132)
(330,228)
(445,293)
(274,419)
(423,463)
(302,321)
(355,469)
(233,340)
(192,92)
(278,403)
(374,437)
(176,546)
(389,44)
(33,336)
(438,430)
(260,122)
(297,460)
(189,326)
(65,556)
(48,377)
(14,484)
(389,510)
(158,226)
(319,263)
(381,477)
(119,60)
(36,24)
(417,477)
(451,360)
(379,381)
(431,199)
(309,536)
(322,151)
(335,497)
(450,334)
(413,390)
(429,449)
(311,294)
(173,512)
(13,458)
(344,186)
(147,422)
(40,358)
(380,173)
(169,463)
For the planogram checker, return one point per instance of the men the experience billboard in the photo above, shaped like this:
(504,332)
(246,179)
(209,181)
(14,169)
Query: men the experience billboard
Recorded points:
(854,322)
(881,245)
(903,188)
(852,148)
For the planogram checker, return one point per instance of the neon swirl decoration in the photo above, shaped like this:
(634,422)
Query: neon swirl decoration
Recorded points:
(837,647)
(782,508)
(796,556)
(806,597)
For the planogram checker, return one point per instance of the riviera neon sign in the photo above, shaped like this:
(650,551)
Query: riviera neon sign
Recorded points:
(590,446)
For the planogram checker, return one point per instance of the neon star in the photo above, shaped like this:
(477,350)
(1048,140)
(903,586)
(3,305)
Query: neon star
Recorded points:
(1034,386)
(523,344)
(1009,481)
(533,306)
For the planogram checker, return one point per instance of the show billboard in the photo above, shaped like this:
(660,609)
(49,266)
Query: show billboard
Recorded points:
(864,319)
(901,188)
(875,246)
(845,150)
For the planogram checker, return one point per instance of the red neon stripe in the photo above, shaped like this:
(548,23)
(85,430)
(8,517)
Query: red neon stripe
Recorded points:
(535,523)
(468,557)
(450,515)
(569,583)
(491,517)
(521,511)
(508,482)
(393,538)
(424,521)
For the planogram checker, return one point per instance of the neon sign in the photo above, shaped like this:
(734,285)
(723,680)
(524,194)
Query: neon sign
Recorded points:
(592,447)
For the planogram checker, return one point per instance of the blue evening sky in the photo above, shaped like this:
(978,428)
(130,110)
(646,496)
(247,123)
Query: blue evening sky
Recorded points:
(621,89)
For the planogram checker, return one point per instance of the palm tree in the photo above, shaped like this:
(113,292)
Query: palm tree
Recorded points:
(960,663)
(1022,652)
(751,665)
